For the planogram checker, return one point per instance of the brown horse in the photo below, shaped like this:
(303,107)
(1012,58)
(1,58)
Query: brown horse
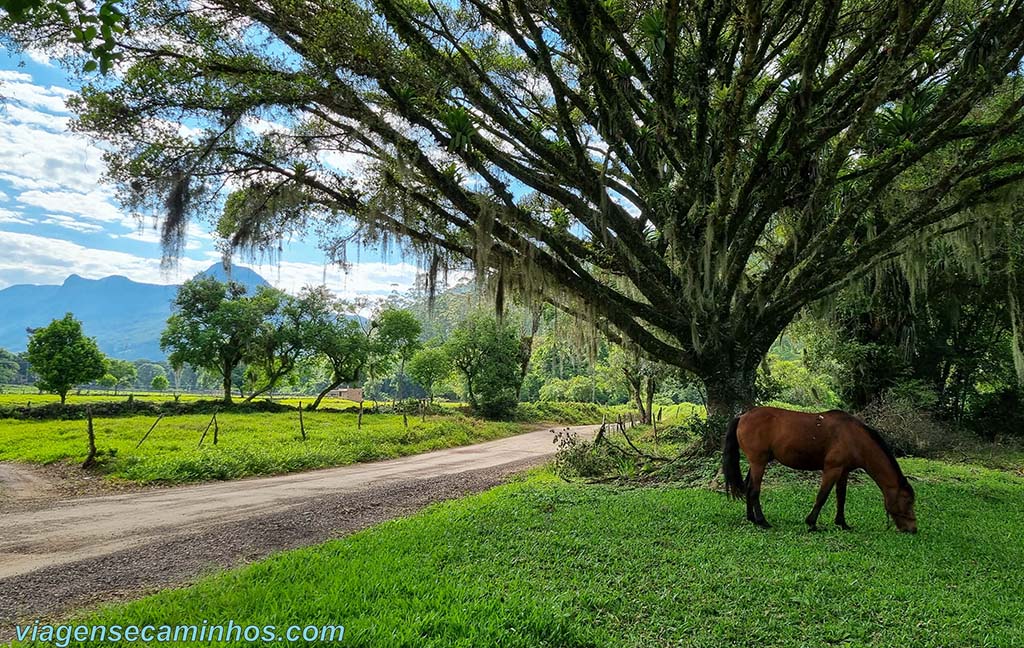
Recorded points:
(834,442)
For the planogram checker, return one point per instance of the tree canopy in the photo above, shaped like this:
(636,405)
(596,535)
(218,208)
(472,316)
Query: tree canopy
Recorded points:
(62,356)
(686,176)
(214,326)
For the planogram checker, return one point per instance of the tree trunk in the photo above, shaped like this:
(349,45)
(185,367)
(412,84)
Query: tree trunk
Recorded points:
(63,397)
(730,391)
(469,392)
(649,412)
(334,385)
(228,369)
(274,378)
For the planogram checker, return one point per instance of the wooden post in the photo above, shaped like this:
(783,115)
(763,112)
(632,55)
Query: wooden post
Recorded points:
(632,423)
(90,460)
(216,428)
(208,425)
(405,420)
(151,428)
(302,426)
(423,411)
(359,421)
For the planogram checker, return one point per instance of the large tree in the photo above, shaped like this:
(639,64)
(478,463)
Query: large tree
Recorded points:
(214,326)
(685,175)
(62,356)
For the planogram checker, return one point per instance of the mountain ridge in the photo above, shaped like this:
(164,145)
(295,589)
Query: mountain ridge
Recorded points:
(125,316)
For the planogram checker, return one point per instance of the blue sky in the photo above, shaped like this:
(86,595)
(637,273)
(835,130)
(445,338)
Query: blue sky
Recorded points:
(57,217)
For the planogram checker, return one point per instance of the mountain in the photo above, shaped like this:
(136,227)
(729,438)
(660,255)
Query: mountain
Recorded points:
(126,317)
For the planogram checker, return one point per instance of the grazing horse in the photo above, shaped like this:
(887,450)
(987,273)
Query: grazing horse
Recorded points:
(834,442)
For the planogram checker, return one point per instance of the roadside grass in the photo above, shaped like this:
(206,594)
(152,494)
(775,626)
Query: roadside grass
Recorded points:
(248,444)
(546,563)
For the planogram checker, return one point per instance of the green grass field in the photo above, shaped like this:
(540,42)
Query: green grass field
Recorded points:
(248,444)
(546,563)
(13,396)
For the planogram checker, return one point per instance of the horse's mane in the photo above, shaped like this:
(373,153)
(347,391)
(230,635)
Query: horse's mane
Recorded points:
(877,437)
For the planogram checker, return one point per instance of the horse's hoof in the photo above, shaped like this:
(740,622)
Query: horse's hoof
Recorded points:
(763,524)
(812,528)
(844,526)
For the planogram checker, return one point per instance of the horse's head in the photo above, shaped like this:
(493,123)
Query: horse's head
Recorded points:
(899,504)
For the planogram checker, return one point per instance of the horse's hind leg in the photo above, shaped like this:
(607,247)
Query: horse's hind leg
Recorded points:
(750,500)
(829,477)
(841,501)
(754,512)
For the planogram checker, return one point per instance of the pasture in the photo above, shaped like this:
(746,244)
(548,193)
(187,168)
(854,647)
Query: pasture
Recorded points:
(247,444)
(20,396)
(541,562)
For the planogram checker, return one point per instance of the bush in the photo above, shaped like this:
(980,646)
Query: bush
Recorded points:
(577,457)
(798,385)
(565,413)
(909,429)
(133,407)
(998,414)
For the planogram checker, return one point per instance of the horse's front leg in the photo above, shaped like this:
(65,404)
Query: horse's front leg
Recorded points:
(829,477)
(841,501)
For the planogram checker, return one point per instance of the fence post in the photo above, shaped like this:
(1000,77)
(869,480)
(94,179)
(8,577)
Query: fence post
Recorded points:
(146,435)
(302,425)
(207,429)
(90,460)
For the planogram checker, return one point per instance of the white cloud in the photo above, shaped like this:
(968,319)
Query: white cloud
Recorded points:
(22,115)
(7,76)
(33,157)
(8,216)
(67,222)
(93,205)
(39,56)
(17,88)
(29,258)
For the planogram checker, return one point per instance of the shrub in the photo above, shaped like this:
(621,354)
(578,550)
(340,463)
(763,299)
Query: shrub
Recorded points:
(998,414)
(578,457)
(909,429)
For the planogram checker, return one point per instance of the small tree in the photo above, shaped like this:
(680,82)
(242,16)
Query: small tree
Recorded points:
(642,375)
(486,354)
(281,338)
(8,367)
(108,381)
(125,373)
(398,333)
(160,382)
(429,367)
(338,340)
(62,356)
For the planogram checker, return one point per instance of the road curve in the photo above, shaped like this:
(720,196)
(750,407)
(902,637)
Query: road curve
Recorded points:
(85,550)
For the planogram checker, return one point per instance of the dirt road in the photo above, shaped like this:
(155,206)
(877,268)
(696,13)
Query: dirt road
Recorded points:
(81,551)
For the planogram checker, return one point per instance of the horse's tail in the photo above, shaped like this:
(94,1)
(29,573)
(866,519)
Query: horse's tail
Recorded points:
(734,483)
